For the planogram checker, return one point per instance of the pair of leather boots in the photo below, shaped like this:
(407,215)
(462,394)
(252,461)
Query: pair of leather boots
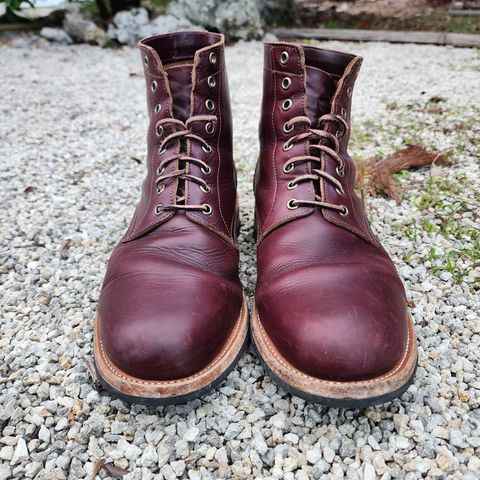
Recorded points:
(330,319)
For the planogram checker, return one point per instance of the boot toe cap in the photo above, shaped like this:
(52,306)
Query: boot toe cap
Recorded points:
(334,328)
(161,329)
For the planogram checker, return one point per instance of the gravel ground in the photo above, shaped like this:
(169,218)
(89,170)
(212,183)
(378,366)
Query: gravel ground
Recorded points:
(72,151)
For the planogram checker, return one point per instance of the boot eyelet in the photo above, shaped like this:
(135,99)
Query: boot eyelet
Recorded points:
(287,146)
(207,148)
(207,209)
(159,131)
(343,113)
(287,104)
(284,57)
(292,204)
(205,189)
(145,61)
(286,82)
(161,151)
(153,86)
(212,58)
(160,170)
(206,170)
(340,170)
(209,104)
(339,134)
(158,209)
(349,92)
(291,185)
(341,192)
(344,212)
(288,168)
(158,107)
(209,128)
(211,81)
(160,188)
(288,129)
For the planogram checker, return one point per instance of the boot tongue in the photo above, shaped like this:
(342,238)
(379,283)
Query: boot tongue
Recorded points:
(320,91)
(180,81)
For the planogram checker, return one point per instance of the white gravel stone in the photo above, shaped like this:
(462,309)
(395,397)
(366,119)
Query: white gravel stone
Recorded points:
(149,456)
(192,434)
(21,452)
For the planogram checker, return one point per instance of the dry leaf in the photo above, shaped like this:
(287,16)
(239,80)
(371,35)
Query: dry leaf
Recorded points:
(93,374)
(376,175)
(110,468)
(75,410)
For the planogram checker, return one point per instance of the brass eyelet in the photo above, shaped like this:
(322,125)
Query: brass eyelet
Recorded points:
(344,212)
(341,192)
(209,127)
(158,209)
(209,104)
(153,86)
(292,204)
(207,148)
(207,209)
(158,107)
(145,60)
(291,185)
(284,57)
(212,58)
(286,82)
(287,146)
(205,189)
(207,170)
(288,168)
(159,131)
(287,104)
(349,92)
(340,170)
(211,81)
(288,129)
(160,188)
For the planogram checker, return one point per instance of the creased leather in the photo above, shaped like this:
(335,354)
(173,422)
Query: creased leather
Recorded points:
(327,293)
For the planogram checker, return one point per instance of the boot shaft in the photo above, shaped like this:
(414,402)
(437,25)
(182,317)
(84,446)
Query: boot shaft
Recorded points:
(316,85)
(189,157)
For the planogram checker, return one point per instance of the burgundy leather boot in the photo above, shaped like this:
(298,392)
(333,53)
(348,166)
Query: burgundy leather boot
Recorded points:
(172,318)
(331,321)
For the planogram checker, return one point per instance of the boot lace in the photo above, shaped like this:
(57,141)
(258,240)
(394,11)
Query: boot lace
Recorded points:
(327,143)
(184,133)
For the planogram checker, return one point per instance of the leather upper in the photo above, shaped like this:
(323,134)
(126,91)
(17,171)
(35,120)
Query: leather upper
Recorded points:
(327,293)
(172,295)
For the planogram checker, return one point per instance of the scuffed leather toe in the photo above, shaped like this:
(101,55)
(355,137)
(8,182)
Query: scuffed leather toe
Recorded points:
(333,333)
(339,321)
(165,315)
(153,336)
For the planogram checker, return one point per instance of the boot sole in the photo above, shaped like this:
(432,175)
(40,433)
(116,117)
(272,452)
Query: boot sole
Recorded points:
(357,394)
(157,392)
